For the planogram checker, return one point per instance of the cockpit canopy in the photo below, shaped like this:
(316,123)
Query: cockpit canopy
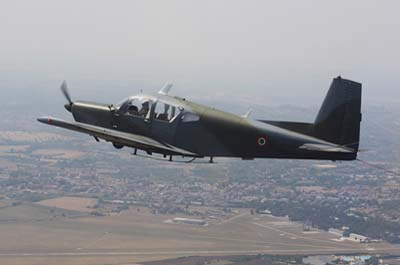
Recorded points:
(147,107)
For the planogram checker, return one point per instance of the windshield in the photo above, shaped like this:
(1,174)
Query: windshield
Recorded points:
(136,106)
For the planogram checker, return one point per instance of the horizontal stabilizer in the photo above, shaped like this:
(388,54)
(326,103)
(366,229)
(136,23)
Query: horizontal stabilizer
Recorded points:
(326,148)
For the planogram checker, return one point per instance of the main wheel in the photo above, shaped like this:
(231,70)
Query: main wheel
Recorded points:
(118,146)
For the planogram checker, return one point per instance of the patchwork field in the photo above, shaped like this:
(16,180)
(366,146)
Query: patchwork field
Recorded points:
(35,234)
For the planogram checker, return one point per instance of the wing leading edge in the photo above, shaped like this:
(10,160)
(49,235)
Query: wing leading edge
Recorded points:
(127,139)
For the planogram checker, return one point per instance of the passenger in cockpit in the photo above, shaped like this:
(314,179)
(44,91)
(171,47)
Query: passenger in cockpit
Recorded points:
(164,116)
(133,110)
(145,109)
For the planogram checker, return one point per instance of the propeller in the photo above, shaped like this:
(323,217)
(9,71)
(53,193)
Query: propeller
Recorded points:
(64,90)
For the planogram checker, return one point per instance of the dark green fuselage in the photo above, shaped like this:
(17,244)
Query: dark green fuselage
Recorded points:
(216,133)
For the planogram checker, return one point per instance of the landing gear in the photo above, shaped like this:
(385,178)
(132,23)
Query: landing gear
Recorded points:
(211,161)
(118,146)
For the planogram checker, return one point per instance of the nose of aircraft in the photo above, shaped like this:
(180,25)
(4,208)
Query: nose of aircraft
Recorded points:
(68,107)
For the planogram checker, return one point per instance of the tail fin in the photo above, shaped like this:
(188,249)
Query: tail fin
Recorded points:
(338,120)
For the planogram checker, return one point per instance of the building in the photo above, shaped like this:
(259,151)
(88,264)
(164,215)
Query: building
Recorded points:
(358,238)
(264,211)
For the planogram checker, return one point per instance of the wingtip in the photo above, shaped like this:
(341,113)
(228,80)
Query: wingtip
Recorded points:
(45,120)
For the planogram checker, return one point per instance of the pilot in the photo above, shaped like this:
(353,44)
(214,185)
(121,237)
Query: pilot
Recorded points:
(145,109)
(164,116)
(133,110)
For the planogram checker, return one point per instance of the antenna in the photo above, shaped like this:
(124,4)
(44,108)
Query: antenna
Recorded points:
(247,114)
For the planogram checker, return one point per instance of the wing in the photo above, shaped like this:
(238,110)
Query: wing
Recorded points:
(127,139)
(326,148)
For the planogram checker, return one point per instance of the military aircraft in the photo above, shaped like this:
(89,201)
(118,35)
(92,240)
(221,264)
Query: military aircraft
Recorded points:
(173,126)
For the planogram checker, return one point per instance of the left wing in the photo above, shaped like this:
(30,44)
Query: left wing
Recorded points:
(127,139)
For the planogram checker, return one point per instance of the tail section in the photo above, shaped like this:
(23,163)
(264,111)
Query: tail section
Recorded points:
(338,120)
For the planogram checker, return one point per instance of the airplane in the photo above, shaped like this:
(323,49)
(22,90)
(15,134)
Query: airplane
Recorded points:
(176,127)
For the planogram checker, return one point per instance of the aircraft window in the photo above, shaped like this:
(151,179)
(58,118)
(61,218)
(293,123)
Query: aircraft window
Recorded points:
(138,107)
(165,112)
(190,117)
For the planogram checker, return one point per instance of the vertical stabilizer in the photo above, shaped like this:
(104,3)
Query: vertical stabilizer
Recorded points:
(338,120)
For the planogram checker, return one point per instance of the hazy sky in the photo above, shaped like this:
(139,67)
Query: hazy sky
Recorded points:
(270,50)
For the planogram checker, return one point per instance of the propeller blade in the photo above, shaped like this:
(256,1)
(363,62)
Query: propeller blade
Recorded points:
(64,90)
